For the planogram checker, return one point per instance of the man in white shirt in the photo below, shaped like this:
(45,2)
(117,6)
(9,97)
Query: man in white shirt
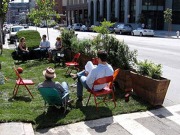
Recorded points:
(87,79)
(44,46)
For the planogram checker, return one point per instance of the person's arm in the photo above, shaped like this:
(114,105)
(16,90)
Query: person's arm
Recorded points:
(21,48)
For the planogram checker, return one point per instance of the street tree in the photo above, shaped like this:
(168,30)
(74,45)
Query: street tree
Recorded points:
(3,11)
(168,18)
(44,11)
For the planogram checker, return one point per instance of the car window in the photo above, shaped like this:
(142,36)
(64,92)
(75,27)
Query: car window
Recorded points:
(16,29)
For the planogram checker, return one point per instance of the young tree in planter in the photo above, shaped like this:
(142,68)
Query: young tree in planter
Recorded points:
(104,31)
(3,11)
(44,11)
(168,18)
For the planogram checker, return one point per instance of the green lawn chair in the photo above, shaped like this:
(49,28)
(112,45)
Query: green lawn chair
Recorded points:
(53,98)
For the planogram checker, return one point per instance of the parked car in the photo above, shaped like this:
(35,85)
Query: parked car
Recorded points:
(142,32)
(69,27)
(84,28)
(57,27)
(13,32)
(123,28)
(76,26)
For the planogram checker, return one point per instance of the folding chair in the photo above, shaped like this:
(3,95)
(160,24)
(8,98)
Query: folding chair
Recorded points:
(111,84)
(53,98)
(73,64)
(20,81)
(104,92)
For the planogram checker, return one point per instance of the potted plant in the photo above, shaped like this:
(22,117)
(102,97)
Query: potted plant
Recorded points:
(148,83)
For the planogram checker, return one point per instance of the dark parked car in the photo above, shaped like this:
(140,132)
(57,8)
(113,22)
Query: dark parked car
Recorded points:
(123,28)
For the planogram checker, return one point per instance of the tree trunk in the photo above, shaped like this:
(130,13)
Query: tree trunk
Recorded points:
(47,29)
(1,35)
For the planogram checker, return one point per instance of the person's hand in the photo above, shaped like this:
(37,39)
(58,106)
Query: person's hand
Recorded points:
(86,72)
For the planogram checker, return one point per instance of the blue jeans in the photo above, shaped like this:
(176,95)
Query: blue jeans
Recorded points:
(81,83)
(66,90)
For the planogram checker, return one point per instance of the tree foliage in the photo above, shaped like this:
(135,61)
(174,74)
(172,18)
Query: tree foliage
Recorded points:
(168,15)
(168,18)
(103,28)
(44,11)
(3,8)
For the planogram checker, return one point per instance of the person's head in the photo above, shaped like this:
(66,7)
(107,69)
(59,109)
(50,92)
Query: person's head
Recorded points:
(58,39)
(22,39)
(49,73)
(102,55)
(44,37)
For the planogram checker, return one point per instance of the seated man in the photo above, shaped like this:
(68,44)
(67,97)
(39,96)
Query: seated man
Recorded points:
(87,79)
(49,74)
(43,47)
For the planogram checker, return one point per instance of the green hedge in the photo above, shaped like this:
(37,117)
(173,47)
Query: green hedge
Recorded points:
(33,38)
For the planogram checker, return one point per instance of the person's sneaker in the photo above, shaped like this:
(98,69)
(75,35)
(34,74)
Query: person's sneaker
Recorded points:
(73,85)
(74,76)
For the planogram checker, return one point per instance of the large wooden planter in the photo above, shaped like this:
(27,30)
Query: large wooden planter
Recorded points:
(83,59)
(124,80)
(151,90)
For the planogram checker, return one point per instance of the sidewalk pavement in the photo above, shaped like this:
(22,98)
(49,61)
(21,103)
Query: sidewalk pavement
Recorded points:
(164,121)
(165,34)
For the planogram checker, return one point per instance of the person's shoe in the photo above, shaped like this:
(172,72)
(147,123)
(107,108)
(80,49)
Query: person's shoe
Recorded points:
(74,76)
(73,85)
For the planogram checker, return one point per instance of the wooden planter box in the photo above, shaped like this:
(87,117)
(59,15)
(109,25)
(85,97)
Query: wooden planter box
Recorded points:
(124,79)
(151,90)
(83,59)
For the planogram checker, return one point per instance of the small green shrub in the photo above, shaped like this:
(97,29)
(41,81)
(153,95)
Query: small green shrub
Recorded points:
(83,46)
(120,55)
(67,36)
(150,69)
(33,38)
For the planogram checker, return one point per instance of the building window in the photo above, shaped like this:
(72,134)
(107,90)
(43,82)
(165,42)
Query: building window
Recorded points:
(121,11)
(176,12)
(132,11)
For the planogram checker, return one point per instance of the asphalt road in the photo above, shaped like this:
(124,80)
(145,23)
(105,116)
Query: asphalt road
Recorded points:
(165,51)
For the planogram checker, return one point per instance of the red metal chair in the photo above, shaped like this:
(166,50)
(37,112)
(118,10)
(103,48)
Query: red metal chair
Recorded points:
(104,92)
(20,81)
(73,64)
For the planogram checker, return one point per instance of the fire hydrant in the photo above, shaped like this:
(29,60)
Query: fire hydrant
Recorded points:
(177,33)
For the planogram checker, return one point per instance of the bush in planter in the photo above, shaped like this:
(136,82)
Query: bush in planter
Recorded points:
(120,55)
(149,69)
(32,37)
(148,83)
(66,36)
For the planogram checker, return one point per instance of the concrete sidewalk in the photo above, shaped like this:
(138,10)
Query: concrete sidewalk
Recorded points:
(164,121)
(165,34)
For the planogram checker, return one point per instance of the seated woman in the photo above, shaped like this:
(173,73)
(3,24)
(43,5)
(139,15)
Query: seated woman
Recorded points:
(22,49)
(58,47)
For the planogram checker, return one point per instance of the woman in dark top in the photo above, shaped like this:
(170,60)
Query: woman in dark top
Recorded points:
(22,49)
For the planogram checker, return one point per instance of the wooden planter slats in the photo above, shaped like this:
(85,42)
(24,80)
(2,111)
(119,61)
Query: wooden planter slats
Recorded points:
(151,90)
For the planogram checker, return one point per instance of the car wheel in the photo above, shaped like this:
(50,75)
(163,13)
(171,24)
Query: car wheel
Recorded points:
(141,34)
(132,33)
(120,32)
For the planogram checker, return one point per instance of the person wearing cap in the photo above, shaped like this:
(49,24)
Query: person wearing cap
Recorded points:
(86,79)
(49,74)
(58,47)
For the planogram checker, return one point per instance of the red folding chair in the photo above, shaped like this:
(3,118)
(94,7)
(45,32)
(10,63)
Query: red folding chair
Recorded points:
(73,64)
(20,81)
(104,92)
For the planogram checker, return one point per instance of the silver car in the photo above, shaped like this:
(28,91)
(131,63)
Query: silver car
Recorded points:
(76,26)
(123,28)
